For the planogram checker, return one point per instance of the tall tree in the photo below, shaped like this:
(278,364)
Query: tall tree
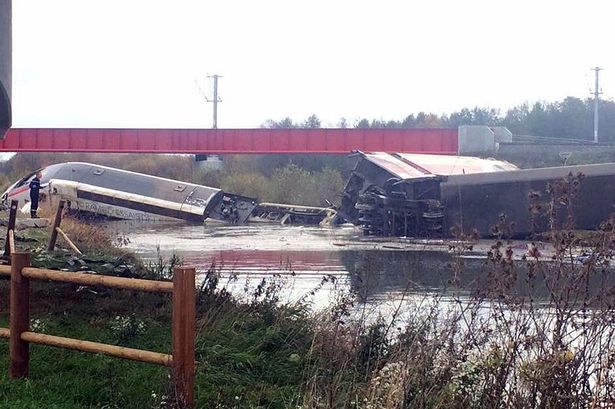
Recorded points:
(311,122)
(362,124)
(284,124)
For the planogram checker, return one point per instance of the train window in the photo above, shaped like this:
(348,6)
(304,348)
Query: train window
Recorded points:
(98,172)
(25,180)
(180,188)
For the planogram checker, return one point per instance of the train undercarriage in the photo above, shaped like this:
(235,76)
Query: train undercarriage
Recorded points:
(382,214)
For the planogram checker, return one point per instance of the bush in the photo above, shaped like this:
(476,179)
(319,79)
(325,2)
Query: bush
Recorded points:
(294,185)
(248,184)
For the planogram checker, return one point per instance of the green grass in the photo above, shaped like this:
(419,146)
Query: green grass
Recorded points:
(62,378)
(244,358)
(249,362)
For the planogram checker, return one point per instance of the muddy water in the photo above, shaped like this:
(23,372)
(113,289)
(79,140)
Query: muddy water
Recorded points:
(308,258)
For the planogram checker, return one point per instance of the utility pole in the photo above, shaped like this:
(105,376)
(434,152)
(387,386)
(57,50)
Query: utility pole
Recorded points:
(216,99)
(596,101)
(212,159)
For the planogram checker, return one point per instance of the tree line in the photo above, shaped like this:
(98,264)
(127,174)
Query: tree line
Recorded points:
(569,118)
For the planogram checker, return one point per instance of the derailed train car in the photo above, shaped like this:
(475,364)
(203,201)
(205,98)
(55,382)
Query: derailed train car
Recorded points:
(122,194)
(408,195)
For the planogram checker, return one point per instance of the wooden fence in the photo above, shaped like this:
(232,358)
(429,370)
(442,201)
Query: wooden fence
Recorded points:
(183,319)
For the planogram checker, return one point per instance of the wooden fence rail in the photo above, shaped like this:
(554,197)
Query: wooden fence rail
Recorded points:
(183,321)
(95,279)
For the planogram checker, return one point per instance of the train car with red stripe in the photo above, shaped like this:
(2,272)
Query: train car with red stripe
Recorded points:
(122,194)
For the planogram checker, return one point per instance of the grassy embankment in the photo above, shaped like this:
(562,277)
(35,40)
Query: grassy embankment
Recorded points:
(249,360)
(253,349)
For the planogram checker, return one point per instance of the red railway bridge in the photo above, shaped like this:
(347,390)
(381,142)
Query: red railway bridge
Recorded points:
(233,141)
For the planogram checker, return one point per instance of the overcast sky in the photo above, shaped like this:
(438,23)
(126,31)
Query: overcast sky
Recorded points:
(134,63)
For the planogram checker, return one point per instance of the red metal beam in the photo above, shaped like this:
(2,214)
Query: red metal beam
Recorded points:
(230,141)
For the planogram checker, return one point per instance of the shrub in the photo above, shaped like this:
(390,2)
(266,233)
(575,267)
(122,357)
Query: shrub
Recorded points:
(294,185)
(248,184)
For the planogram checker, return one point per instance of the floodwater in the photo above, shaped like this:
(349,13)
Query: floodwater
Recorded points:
(308,258)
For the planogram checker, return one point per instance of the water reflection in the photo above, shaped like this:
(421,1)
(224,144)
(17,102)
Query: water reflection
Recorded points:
(376,270)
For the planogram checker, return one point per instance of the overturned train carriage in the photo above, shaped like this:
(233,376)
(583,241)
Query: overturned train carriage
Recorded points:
(129,195)
(426,195)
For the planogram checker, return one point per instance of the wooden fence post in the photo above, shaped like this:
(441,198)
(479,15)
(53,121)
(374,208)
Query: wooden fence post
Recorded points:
(11,241)
(184,317)
(11,226)
(19,350)
(69,241)
(56,224)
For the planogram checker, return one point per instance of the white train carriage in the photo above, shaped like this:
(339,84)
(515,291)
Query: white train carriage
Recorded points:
(123,194)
